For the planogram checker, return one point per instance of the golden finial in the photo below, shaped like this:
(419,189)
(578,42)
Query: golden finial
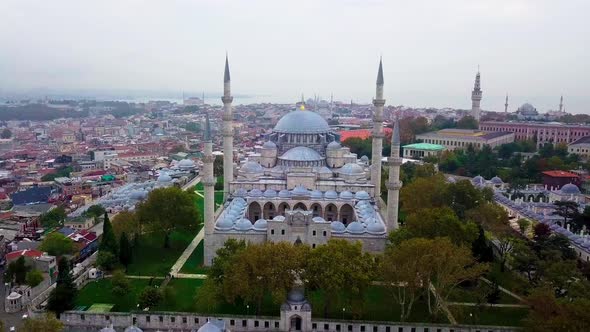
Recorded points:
(302,107)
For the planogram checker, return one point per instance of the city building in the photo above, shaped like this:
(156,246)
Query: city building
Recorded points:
(558,179)
(541,132)
(580,147)
(303,187)
(421,150)
(453,138)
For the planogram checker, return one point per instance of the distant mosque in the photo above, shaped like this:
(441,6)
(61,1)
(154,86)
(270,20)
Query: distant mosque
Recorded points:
(303,186)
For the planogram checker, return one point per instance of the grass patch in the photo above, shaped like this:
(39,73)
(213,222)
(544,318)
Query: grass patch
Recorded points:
(473,294)
(508,279)
(184,291)
(489,316)
(151,259)
(100,291)
(194,263)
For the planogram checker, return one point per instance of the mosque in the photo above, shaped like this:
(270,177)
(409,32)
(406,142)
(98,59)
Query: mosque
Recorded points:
(303,186)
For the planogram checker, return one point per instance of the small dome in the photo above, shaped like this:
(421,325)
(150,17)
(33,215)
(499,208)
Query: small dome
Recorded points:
(270,193)
(375,228)
(209,327)
(133,329)
(496,180)
(284,193)
(251,167)
(269,145)
(164,178)
(316,194)
(255,192)
(478,180)
(451,179)
(318,219)
(225,224)
(334,146)
(279,218)
(337,227)
(260,225)
(331,194)
(352,169)
(186,163)
(243,225)
(364,158)
(240,200)
(325,170)
(296,296)
(570,189)
(362,195)
(346,195)
(302,122)
(241,192)
(108,329)
(355,228)
(300,191)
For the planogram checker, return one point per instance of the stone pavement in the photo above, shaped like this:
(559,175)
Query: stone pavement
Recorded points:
(187,253)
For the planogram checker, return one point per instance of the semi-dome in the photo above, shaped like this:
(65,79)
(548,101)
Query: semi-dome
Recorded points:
(570,189)
(302,122)
(334,146)
(260,225)
(269,145)
(496,180)
(251,167)
(355,228)
(346,195)
(375,228)
(243,225)
(363,195)
(351,169)
(301,153)
(337,227)
(331,194)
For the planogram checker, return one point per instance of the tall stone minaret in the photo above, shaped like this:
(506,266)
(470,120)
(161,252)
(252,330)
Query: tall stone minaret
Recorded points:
(561,104)
(208,180)
(476,98)
(394,184)
(506,105)
(228,132)
(377,152)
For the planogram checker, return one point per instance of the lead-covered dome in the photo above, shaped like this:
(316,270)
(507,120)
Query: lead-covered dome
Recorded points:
(570,189)
(351,169)
(251,167)
(302,122)
(269,145)
(301,153)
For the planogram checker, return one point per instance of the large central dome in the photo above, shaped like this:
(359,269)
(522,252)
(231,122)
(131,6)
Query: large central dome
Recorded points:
(302,122)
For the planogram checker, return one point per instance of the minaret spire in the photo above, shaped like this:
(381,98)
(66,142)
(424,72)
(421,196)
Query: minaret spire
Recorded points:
(561,104)
(228,131)
(476,97)
(377,147)
(394,184)
(209,189)
(506,105)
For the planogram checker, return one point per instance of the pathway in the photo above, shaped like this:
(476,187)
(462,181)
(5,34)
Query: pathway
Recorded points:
(187,253)
(192,183)
(443,305)
(497,305)
(504,290)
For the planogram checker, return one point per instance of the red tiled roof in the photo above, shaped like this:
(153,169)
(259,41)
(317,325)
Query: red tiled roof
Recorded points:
(27,253)
(360,133)
(560,174)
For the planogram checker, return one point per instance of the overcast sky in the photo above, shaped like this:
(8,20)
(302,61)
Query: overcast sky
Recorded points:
(534,50)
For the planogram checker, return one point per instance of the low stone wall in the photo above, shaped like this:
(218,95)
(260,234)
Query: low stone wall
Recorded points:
(80,321)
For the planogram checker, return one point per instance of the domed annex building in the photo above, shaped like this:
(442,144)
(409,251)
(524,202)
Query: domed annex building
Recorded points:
(303,186)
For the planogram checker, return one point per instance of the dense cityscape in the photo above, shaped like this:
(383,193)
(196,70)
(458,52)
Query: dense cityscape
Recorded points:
(323,213)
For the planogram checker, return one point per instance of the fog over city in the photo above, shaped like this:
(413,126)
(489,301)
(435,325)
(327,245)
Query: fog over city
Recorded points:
(533,50)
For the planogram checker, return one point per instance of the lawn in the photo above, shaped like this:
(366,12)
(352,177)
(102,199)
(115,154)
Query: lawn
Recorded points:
(150,258)
(509,280)
(100,291)
(194,264)
(184,291)
(489,316)
(472,294)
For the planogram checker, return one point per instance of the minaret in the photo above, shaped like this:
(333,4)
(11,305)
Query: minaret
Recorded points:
(394,184)
(208,179)
(228,132)
(476,97)
(377,152)
(506,105)
(561,104)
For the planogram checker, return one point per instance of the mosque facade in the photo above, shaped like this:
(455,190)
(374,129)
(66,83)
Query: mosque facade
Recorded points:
(303,186)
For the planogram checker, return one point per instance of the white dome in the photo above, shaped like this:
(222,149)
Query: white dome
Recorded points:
(355,228)
(316,194)
(251,167)
(364,158)
(302,122)
(225,224)
(331,194)
(269,145)
(255,192)
(362,195)
(270,193)
(334,146)
(186,163)
(496,180)
(260,225)
(337,227)
(164,178)
(243,225)
(346,195)
(352,169)
(375,228)
(301,153)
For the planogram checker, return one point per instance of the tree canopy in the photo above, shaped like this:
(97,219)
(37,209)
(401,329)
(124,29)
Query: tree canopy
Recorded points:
(57,244)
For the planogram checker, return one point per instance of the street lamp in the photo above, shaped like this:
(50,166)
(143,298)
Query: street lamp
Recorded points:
(247,309)
(343,311)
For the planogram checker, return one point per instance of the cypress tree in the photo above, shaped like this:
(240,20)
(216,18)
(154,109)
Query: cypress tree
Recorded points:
(125,251)
(63,296)
(108,241)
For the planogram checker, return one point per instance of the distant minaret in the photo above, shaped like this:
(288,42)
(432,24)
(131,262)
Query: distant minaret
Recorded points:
(394,184)
(377,152)
(208,180)
(228,132)
(561,104)
(476,97)
(506,105)
(203,98)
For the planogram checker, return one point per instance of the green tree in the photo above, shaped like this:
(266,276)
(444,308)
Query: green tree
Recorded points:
(6,133)
(95,211)
(149,297)
(53,217)
(108,241)
(467,122)
(224,257)
(218,166)
(441,222)
(17,271)
(423,193)
(168,209)
(106,260)
(34,278)
(525,260)
(126,222)
(125,250)
(62,297)
(120,283)
(57,244)
(523,225)
(45,323)
(340,271)
(481,249)
(556,315)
